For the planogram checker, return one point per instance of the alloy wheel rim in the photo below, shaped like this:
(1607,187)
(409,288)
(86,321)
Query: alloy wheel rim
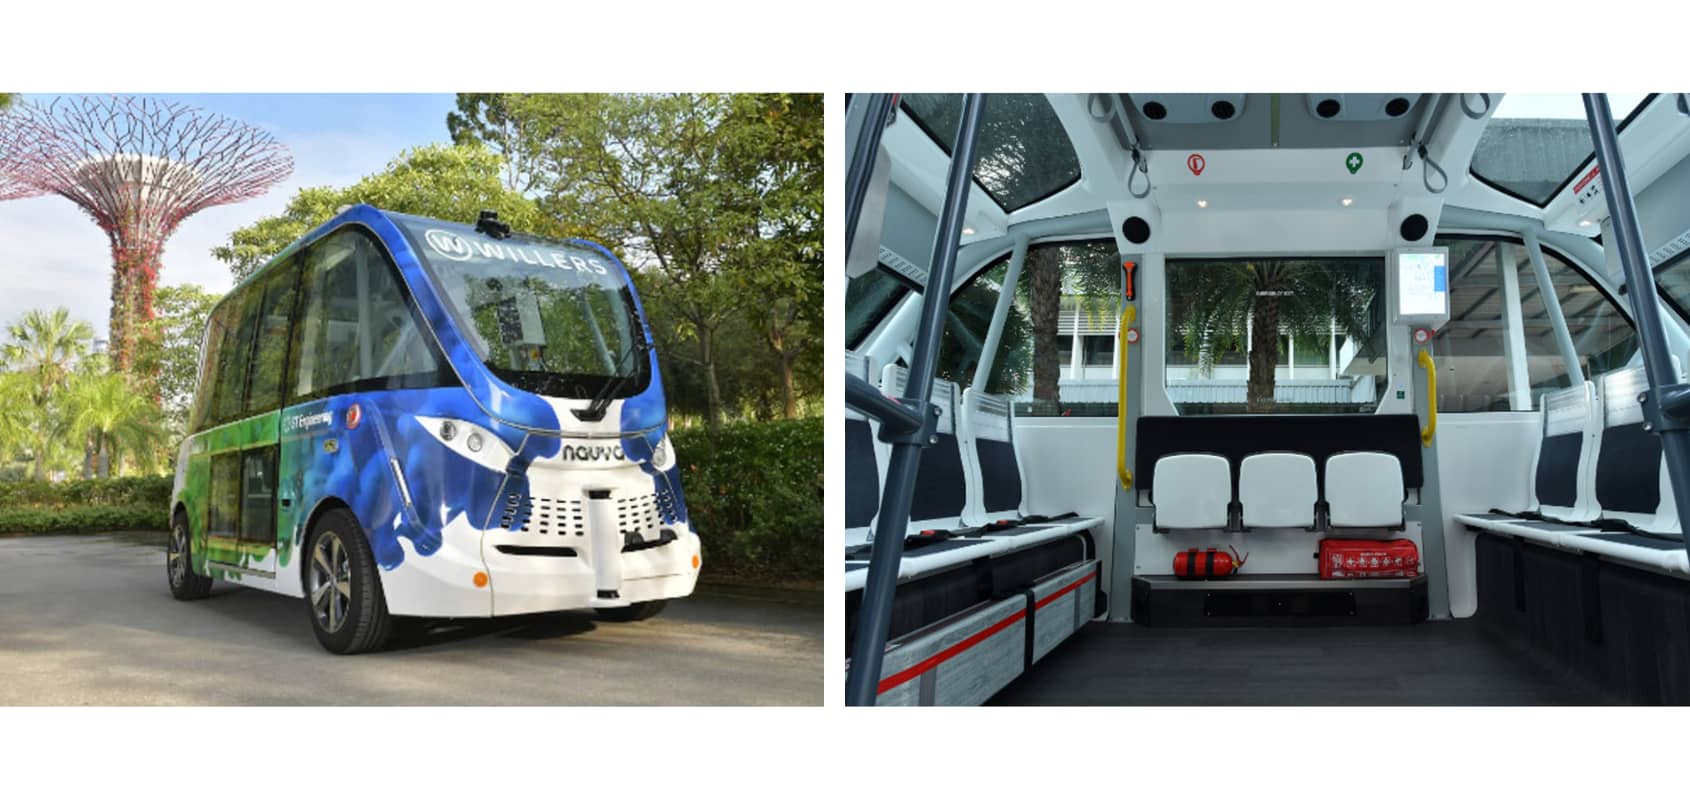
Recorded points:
(177,559)
(330,588)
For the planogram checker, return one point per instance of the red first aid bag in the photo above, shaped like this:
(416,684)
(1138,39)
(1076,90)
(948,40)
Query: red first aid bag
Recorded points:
(1363,558)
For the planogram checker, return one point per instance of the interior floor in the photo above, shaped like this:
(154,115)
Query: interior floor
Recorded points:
(1453,663)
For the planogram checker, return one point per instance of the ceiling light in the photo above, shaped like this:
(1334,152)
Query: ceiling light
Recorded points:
(968,231)
(1347,201)
(1584,223)
(1202,204)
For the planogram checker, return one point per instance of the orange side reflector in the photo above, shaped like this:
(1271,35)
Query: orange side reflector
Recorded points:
(480,580)
(695,561)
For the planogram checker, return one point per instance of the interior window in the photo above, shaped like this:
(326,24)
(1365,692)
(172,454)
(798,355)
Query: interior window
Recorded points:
(868,298)
(1068,295)
(1221,360)
(1474,351)
(1537,143)
(356,325)
(1022,155)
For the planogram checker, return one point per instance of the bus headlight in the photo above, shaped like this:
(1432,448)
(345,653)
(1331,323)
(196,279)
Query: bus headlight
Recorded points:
(469,440)
(663,455)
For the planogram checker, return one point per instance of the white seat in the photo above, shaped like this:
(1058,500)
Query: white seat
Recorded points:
(1191,491)
(1364,490)
(1277,490)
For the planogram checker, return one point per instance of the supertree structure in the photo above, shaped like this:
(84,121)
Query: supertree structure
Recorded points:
(139,167)
(11,187)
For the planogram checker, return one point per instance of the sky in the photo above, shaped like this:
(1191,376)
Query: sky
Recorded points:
(51,254)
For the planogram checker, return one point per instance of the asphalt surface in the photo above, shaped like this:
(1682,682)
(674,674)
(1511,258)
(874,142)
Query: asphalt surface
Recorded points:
(88,620)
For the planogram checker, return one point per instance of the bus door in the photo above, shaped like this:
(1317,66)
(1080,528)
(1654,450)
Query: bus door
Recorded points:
(245,524)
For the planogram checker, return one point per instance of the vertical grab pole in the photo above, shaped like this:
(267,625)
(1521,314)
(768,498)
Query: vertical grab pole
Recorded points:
(1000,314)
(1666,400)
(874,621)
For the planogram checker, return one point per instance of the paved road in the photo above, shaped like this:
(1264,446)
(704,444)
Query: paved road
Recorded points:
(87,620)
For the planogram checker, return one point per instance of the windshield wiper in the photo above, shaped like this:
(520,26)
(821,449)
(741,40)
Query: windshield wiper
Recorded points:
(595,409)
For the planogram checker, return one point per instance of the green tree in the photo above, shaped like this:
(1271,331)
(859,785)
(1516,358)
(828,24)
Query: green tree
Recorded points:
(438,181)
(502,123)
(1215,306)
(100,406)
(782,142)
(6,100)
(45,345)
(712,193)
(172,349)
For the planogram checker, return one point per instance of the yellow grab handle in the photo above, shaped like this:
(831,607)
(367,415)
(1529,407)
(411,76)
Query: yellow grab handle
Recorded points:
(1128,315)
(1431,428)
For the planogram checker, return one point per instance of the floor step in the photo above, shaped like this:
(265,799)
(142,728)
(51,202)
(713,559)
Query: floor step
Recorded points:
(1277,601)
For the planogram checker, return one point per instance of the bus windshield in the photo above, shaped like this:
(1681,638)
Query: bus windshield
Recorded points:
(546,317)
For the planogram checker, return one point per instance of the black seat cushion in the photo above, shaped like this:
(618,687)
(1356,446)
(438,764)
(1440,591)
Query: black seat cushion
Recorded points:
(1628,470)
(1000,476)
(862,475)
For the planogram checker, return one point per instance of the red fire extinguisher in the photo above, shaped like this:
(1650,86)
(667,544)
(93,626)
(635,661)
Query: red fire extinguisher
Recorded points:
(1210,563)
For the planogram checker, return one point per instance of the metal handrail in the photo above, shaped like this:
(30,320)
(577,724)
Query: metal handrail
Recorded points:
(1668,399)
(874,620)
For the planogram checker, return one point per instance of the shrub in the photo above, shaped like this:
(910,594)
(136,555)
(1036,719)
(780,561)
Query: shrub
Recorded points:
(85,506)
(756,497)
(85,519)
(94,492)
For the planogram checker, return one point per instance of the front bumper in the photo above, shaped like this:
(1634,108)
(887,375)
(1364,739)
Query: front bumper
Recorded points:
(525,582)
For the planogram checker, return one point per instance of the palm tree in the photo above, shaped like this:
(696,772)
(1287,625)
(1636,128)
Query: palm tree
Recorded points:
(102,406)
(1215,306)
(45,345)
(1092,270)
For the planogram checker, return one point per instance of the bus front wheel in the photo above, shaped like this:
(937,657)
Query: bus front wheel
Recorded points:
(633,612)
(185,584)
(342,588)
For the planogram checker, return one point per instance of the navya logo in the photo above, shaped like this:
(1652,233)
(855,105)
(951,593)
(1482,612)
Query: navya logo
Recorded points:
(448,244)
(306,421)
(593,452)
(458,248)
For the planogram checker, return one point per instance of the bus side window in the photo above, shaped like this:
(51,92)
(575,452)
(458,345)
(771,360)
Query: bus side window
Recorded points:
(215,330)
(355,325)
(270,353)
(229,396)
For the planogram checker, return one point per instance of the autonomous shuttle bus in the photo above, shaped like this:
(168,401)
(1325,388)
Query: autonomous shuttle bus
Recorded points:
(1267,398)
(401,416)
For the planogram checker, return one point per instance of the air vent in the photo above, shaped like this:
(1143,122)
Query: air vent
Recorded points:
(1668,251)
(544,516)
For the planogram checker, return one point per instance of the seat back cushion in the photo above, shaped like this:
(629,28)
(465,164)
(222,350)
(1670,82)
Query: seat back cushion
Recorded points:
(994,451)
(1364,490)
(862,475)
(1565,414)
(941,488)
(1193,491)
(1277,490)
(1628,462)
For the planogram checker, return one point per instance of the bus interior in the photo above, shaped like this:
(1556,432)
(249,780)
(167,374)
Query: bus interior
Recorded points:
(1309,399)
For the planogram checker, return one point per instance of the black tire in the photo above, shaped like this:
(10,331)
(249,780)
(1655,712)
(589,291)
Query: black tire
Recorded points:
(185,584)
(633,612)
(354,620)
